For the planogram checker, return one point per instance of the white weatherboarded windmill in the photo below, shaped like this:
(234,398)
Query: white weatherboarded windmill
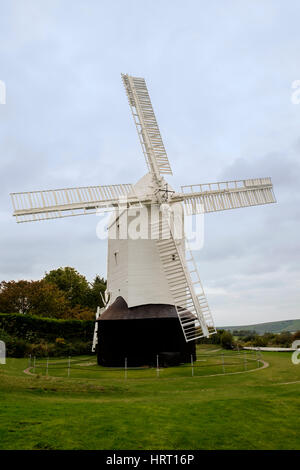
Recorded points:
(156,270)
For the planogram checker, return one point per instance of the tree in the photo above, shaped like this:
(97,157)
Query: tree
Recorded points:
(14,296)
(226,340)
(269,337)
(250,337)
(48,301)
(97,287)
(62,293)
(82,313)
(284,339)
(74,285)
(296,335)
(34,297)
(260,341)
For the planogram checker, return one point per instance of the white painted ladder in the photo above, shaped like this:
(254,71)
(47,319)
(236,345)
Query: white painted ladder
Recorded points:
(193,271)
(182,276)
(95,338)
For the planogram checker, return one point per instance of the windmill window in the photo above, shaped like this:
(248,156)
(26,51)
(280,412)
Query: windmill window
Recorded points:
(116,254)
(173,257)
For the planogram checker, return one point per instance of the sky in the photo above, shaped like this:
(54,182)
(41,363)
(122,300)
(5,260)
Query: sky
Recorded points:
(220,76)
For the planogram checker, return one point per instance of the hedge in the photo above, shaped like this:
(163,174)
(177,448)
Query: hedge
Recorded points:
(28,334)
(32,328)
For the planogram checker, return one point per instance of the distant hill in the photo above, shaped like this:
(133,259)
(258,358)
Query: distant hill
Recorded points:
(270,327)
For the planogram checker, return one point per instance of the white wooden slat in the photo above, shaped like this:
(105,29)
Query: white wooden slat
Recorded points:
(146,125)
(67,202)
(213,197)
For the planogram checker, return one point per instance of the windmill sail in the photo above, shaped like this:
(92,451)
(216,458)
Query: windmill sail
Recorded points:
(56,203)
(184,283)
(146,125)
(212,197)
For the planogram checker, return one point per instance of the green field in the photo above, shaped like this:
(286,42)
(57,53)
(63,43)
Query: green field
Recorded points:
(96,408)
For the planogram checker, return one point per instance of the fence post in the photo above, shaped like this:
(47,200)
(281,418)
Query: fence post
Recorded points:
(69,366)
(260,355)
(29,360)
(257,358)
(245,360)
(192,365)
(34,364)
(223,364)
(47,365)
(157,366)
(125,368)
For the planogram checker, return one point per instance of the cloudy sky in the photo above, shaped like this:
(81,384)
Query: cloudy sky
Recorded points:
(220,76)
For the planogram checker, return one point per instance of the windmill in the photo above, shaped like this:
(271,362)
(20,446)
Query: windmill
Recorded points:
(155,278)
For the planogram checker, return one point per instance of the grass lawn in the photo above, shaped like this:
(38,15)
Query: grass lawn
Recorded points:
(99,409)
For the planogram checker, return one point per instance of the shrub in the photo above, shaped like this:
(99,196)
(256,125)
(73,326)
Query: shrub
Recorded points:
(60,341)
(33,328)
(296,335)
(26,334)
(260,341)
(227,340)
(250,337)
(284,339)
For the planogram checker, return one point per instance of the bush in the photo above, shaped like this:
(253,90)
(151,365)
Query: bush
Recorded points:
(296,335)
(284,339)
(250,337)
(60,341)
(260,341)
(26,334)
(15,347)
(226,340)
(213,339)
(32,328)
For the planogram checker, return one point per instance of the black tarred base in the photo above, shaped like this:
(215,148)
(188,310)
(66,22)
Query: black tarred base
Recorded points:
(140,334)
